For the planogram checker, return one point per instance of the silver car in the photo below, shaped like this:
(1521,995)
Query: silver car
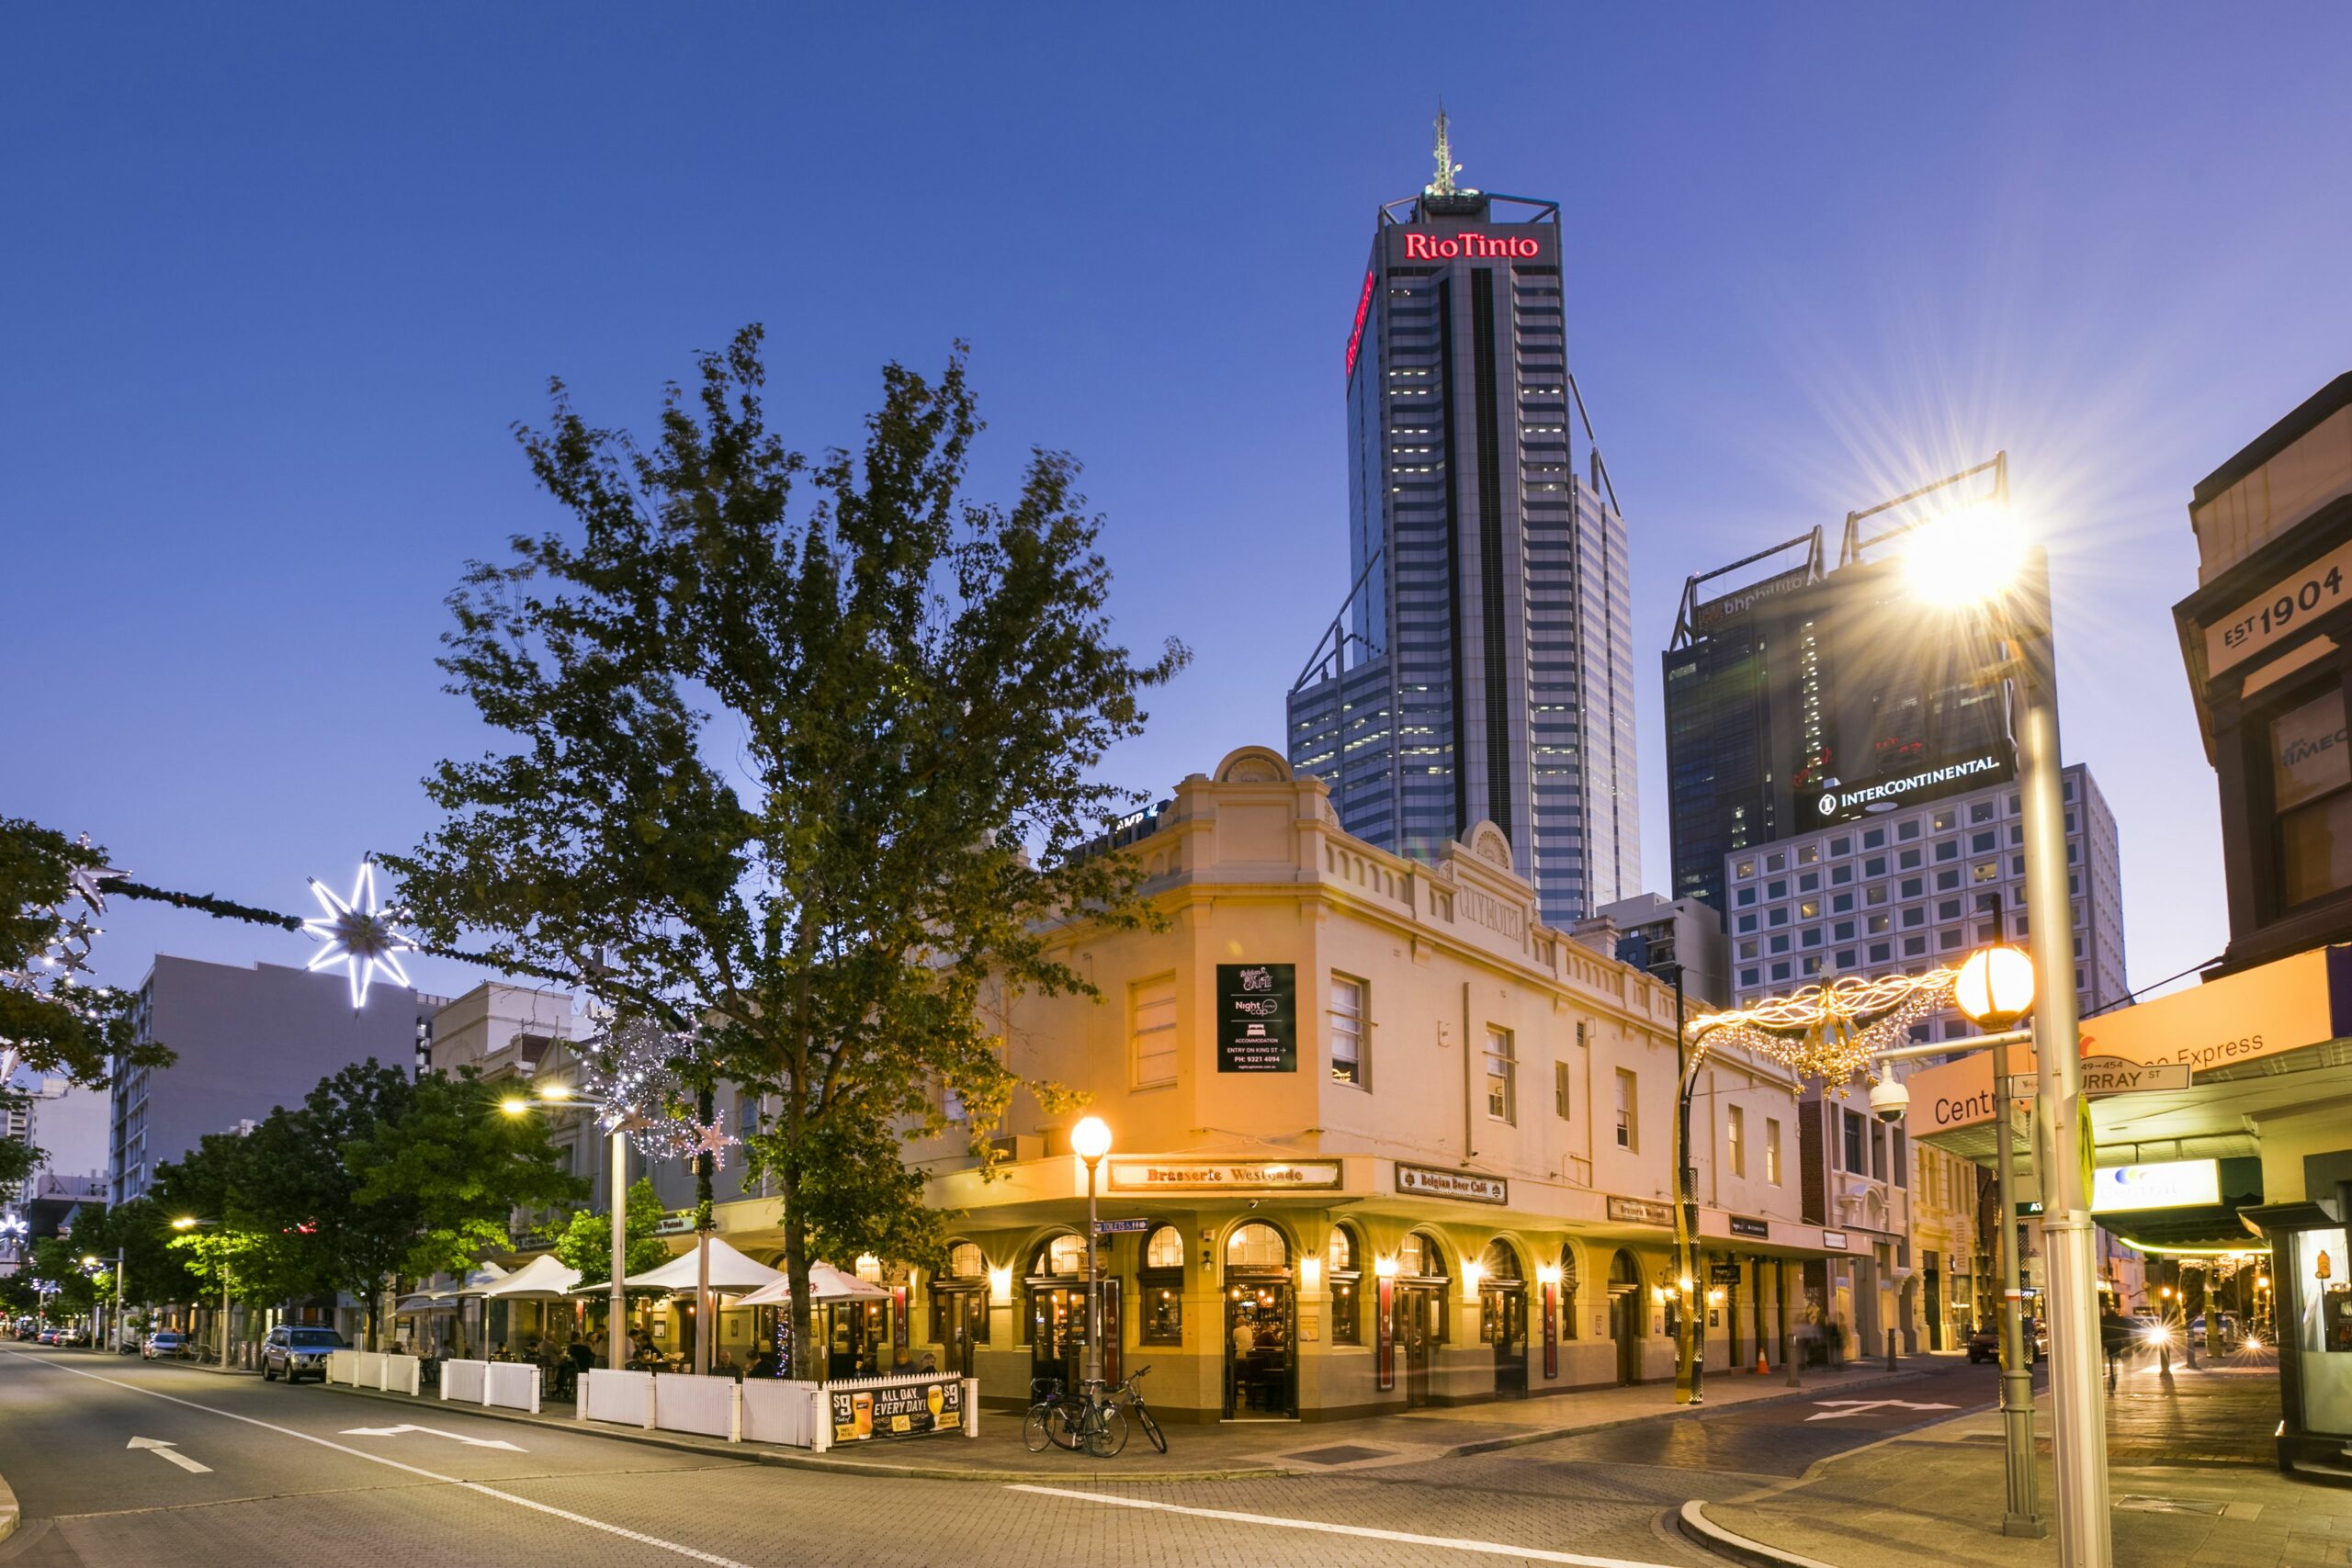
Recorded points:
(294,1352)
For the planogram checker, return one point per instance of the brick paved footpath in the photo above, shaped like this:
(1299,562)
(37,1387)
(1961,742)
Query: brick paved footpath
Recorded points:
(2192,1477)
(1233,1449)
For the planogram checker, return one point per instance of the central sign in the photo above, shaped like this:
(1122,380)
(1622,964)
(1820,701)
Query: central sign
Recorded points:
(1257,1018)
(1425,1182)
(1228,1176)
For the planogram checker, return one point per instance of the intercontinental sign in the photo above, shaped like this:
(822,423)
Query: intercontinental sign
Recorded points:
(1839,803)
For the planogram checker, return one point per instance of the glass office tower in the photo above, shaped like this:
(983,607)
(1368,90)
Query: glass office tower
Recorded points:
(1481,667)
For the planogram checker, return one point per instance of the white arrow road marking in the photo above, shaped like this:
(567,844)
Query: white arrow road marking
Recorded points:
(1864,1407)
(435,1431)
(475,1486)
(1444,1543)
(163,1450)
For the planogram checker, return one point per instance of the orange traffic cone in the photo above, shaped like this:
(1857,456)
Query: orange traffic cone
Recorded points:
(1763,1370)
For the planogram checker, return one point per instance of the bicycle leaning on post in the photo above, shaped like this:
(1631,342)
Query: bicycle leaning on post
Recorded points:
(1094,1420)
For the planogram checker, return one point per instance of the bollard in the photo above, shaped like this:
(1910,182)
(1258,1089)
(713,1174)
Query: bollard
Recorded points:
(1890,1349)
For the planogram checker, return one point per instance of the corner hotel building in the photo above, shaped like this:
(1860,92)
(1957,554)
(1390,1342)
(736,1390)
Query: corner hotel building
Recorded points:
(1447,1179)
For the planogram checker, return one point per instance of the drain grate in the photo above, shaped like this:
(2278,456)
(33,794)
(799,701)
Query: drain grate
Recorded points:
(1345,1453)
(2138,1502)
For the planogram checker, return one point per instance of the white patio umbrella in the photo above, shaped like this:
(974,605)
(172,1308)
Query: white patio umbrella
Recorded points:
(826,1283)
(732,1274)
(543,1278)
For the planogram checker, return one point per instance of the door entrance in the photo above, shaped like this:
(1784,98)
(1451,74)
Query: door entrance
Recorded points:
(1261,1368)
(1057,1334)
(1625,1309)
(1417,1334)
(1502,1316)
(963,1326)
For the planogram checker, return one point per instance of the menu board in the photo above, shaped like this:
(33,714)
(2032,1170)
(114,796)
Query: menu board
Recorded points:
(1257,1018)
(900,1410)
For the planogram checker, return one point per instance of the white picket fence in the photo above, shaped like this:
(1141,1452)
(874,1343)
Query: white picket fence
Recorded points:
(757,1410)
(382,1370)
(509,1385)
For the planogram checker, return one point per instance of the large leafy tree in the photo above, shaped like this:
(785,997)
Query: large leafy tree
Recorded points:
(585,1242)
(804,778)
(455,1168)
(55,1023)
(370,1178)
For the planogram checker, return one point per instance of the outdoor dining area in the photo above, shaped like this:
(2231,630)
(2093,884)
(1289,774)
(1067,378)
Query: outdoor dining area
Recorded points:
(544,1314)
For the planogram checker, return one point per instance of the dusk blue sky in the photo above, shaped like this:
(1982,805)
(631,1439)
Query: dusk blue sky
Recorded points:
(276,282)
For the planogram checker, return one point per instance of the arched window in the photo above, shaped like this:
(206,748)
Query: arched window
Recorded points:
(1256,1245)
(1500,1264)
(1164,1248)
(1567,1291)
(1342,1259)
(1064,1253)
(869,1268)
(1339,1258)
(964,1262)
(1421,1257)
(1159,1284)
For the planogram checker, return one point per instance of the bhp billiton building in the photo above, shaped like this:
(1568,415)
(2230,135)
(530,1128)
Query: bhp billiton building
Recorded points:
(1481,667)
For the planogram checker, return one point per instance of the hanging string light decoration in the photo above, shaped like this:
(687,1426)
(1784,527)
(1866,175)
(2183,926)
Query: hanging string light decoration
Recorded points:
(359,934)
(1828,1030)
(630,1071)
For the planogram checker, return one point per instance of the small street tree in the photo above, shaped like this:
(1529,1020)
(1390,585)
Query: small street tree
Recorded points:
(801,779)
(53,1023)
(585,1243)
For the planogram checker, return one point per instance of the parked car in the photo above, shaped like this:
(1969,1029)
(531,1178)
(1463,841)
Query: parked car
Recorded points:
(46,1337)
(163,1345)
(1984,1345)
(293,1352)
(2227,1329)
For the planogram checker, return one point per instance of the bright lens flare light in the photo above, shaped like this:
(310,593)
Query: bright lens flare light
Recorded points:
(1964,556)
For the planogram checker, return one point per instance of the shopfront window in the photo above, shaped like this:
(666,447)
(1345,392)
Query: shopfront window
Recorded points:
(1341,1264)
(2310,784)
(2324,1329)
(1161,1283)
(1066,1255)
(1256,1245)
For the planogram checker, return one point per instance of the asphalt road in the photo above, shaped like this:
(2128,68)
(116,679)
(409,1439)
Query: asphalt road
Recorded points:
(285,1479)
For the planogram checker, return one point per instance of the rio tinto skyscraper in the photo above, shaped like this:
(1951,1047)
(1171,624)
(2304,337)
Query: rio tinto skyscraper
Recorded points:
(1482,666)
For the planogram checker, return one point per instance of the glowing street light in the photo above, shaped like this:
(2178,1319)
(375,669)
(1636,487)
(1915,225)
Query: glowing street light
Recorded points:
(1091,1140)
(1996,988)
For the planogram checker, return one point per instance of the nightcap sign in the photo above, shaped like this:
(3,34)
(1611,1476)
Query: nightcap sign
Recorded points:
(1257,1018)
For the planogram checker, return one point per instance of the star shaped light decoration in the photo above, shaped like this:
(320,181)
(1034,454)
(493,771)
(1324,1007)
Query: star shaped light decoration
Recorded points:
(714,1140)
(89,881)
(359,935)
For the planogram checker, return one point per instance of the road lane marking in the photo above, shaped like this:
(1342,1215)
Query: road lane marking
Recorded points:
(625,1533)
(1864,1407)
(163,1450)
(435,1431)
(1366,1532)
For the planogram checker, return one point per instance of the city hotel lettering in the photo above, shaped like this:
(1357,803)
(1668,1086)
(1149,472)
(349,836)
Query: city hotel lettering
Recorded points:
(1473,246)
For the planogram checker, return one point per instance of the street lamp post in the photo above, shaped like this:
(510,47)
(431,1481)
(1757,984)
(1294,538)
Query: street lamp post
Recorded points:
(1690,1373)
(1995,990)
(1979,558)
(1091,1140)
(616,1304)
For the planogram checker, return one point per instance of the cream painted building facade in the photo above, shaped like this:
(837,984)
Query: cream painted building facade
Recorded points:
(1380,1139)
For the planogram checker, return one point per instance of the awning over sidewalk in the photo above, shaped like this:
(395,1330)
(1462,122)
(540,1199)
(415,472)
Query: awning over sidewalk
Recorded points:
(826,1283)
(731,1274)
(542,1279)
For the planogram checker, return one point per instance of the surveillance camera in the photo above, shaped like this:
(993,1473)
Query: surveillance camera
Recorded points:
(1889,1100)
(1253,1202)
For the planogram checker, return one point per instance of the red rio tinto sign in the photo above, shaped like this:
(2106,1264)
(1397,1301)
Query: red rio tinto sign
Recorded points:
(1489,247)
